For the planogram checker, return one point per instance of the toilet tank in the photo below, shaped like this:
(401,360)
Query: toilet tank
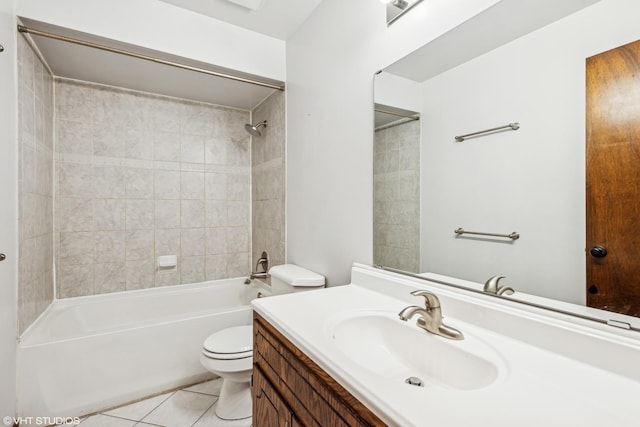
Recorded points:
(288,278)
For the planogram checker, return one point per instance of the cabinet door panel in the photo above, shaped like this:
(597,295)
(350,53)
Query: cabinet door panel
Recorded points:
(311,396)
(269,410)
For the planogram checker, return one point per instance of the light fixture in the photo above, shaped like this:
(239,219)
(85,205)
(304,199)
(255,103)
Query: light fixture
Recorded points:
(400,4)
(397,8)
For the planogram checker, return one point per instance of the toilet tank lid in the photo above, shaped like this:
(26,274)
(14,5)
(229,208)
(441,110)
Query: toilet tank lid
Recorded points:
(295,275)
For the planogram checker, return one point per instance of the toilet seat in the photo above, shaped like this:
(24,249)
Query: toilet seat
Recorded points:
(231,343)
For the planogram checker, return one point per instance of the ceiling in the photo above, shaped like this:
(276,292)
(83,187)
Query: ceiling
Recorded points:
(78,62)
(275,18)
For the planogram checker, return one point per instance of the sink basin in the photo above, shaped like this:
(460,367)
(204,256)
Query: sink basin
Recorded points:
(397,350)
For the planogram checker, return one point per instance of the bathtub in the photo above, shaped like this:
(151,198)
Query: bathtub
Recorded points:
(87,354)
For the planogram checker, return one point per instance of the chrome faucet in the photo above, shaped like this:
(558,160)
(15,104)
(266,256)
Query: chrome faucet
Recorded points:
(492,286)
(430,316)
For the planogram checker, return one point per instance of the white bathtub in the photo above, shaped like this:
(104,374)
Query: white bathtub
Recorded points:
(90,353)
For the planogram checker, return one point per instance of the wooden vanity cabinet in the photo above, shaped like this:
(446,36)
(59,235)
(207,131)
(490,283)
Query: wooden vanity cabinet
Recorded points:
(290,390)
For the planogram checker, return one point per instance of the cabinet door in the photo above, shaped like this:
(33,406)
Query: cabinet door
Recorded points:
(269,410)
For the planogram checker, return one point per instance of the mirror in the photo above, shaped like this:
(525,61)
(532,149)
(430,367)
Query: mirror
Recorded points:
(531,180)
(396,188)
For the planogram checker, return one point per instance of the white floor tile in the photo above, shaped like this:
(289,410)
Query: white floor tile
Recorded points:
(210,419)
(182,409)
(208,387)
(139,410)
(100,420)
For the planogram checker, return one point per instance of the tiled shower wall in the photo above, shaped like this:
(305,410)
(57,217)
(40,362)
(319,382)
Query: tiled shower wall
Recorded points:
(139,176)
(35,279)
(396,183)
(268,179)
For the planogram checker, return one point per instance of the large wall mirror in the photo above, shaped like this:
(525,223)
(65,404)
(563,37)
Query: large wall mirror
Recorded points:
(531,181)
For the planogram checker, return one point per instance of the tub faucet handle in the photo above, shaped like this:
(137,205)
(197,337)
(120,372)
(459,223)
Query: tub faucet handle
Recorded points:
(263,262)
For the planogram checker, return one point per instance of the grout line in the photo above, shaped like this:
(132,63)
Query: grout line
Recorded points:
(169,395)
(169,392)
(206,410)
(201,392)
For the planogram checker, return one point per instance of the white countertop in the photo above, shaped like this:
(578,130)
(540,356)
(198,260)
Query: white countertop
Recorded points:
(537,386)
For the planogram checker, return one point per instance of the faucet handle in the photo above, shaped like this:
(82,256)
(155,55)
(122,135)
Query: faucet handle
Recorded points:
(431,300)
(492,286)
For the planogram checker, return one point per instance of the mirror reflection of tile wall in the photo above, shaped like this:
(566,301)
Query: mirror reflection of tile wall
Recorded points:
(396,177)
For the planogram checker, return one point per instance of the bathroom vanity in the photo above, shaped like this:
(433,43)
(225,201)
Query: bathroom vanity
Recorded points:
(341,356)
(289,389)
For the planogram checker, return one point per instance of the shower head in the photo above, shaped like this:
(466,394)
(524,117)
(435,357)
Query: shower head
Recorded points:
(253,129)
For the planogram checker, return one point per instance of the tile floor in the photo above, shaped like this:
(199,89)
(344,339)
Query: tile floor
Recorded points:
(190,407)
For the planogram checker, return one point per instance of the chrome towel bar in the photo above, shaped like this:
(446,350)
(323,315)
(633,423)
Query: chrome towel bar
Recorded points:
(512,126)
(512,236)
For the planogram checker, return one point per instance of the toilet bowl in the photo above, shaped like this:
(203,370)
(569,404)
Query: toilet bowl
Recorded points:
(229,353)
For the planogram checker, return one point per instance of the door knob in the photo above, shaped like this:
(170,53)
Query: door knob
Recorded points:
(3,257)
(598,251)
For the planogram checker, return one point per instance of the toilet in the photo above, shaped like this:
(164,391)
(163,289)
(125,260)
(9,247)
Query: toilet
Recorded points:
(229,353)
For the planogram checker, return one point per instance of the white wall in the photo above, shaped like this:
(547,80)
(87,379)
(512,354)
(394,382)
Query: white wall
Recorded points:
(164,27)
(530,181)
(8,208)
(397,92)
(331,61)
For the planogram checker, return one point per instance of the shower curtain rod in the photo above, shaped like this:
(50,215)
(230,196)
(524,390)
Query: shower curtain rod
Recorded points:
(406,116)
(23,29)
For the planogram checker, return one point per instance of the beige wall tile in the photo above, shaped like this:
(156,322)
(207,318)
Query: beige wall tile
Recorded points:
(167,213)
(140,214)
(166,145)
(193,241)
(192,269)
(74,180)
(193,213)
(109,214)
(238,264)
(215,213)
(139,183)
(216,186)
(140,274)
(216,267)
(216,241)
(143,176)
(76,248)
(192,185)
(167,184)
(238,239)
(109,277)
(75,280)
(109,182)
(109,246)
(192,148)
(139,245)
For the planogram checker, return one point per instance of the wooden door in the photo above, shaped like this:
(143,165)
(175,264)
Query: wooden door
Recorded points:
(613,180)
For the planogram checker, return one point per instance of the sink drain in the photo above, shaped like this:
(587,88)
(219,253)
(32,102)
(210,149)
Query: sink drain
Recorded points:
(414,381)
